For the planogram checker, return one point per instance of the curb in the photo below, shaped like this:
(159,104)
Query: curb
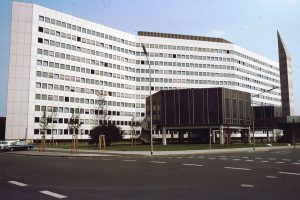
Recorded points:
(106,153)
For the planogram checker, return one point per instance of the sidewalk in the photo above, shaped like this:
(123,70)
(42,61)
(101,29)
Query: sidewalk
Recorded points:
(58,152)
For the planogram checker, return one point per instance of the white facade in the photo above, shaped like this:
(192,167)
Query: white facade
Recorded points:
(59,62)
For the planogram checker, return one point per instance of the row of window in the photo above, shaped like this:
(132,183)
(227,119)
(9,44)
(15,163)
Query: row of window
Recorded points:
(45,63)
(82,70)
(49,97)
(93,52)
(84,30)
(157,46)
(83,80)
(53,110)
(66,121)
(67,88)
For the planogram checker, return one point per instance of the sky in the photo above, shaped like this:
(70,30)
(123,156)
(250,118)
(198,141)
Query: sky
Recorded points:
(252,24)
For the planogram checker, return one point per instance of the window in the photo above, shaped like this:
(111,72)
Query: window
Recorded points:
(41,18)
(39,62)
(36,131)
(41,29)
(38,85)
(40,40)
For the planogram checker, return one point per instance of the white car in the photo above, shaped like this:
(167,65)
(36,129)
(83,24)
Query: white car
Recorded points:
(4,144)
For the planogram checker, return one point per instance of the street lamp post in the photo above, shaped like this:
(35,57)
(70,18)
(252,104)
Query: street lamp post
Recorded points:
(252,96)
(151,122)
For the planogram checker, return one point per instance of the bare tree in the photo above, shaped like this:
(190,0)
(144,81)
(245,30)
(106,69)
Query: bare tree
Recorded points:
(44,123)
(101,109)
(74,122)
(133,126)
(53,117)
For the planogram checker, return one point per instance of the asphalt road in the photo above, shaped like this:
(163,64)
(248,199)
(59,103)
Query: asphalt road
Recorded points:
(261,175)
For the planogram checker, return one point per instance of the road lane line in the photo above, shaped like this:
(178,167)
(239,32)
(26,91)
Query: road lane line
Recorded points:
(129,160)
(258,158)
(271,177)
(17,183)
(296,163)
(52,194)
(287,159)
(236,159)
(211,158)
(222,156)
(264,161)
(249,160)
(196,165)
(200,157)
(279,162)
(237,168)
(289,173)
(160,162)
(247,185)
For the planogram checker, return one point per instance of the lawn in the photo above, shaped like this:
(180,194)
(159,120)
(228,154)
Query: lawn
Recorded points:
(125,146)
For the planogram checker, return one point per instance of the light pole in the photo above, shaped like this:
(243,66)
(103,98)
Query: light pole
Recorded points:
(151,122)
(252,96)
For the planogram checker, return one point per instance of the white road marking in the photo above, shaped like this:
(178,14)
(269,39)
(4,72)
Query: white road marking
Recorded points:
(190,157)
(211,158)
(286,159)
(52,194)
(245,157)
(279,162)
(17,183)
(271,177)
(129,160)
(264,161)
(201,157)
(296,163)
(236,159)
(196,165)
(249,160)
(222,156)
(158,162)
(289,173)
(245,169)
(247,185)
(258,158)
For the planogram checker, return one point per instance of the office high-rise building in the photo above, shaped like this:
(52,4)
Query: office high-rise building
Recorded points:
(59,63)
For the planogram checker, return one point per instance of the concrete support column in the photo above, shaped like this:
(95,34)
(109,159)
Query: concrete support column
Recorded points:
(268,136)
(164,136)
(213,136)
(221,135)
(248,136)
(274,136)
(180,137)
(172,137)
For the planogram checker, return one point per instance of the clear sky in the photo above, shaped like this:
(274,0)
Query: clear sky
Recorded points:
(251,24)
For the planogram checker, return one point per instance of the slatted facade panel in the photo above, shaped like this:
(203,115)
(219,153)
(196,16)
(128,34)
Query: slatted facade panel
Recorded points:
(196,107)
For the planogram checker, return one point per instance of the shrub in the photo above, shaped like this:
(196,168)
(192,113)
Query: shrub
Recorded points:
(112,134)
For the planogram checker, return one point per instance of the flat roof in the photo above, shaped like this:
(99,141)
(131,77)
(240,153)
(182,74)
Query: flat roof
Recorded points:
(185,37)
